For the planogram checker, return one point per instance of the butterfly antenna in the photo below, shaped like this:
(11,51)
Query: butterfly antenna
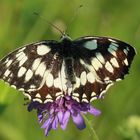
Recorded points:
(74,16)
(54,26)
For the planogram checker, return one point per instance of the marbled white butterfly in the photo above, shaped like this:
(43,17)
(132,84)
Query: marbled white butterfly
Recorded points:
(84,68)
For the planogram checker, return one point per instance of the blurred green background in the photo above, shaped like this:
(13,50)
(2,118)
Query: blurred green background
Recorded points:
(120,118)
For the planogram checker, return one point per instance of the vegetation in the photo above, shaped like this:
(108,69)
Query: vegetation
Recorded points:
(120,118)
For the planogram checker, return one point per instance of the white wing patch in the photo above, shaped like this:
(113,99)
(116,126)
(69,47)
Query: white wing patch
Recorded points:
(49,79)
(63,77)
(113,52)
(91,45)
(113,46)
(96,63)
(28,75)
(41,69)
(43,49)
(100,57)
(7,72)
(91,77)
(83,78)
(109,67)
(22,61)
(114,62)
(57,82)
(21,71)
(126,62)
(36,63)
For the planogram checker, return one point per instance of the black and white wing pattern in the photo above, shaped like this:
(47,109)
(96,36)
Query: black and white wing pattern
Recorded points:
(83,69)
(101,61)
(27,68)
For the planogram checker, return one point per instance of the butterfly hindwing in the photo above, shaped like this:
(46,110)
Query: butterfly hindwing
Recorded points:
(52,86)
(87,83)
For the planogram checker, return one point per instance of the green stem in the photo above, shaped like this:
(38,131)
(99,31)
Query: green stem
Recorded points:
(95,136)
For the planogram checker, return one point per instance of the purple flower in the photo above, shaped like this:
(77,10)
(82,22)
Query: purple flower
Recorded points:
(59,112)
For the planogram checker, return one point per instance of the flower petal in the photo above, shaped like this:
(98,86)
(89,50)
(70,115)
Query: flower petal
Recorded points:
(47,122)
(79,121)
(40,118)
(32,105)
(58,112)
(48,128)
(47,125)
(94,111)
(65,120)
(55,123)
(60,116)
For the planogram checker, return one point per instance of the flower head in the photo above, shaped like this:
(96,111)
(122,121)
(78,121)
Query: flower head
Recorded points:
(58,112)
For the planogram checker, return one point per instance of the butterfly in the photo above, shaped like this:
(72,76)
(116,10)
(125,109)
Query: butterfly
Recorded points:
(83,68)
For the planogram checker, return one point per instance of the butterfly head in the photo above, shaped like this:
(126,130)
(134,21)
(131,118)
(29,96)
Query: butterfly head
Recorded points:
(65,37)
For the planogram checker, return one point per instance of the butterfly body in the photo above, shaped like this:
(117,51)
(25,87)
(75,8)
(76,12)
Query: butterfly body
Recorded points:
(84,68)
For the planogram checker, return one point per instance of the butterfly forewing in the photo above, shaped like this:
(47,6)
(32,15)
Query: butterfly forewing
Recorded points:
(102,61)
(25,68)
